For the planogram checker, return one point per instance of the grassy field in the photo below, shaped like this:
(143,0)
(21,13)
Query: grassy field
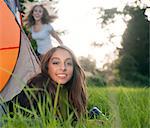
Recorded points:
(122,107)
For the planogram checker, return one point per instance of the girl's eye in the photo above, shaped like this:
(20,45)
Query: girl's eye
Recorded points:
(55,62)
(40,11)
(69,63)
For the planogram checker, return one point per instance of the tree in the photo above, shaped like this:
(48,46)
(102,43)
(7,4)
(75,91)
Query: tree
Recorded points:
(88,64)
(134,56)
(133,60)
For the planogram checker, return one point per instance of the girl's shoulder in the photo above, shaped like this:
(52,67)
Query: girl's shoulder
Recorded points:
(48,26)
(38,81)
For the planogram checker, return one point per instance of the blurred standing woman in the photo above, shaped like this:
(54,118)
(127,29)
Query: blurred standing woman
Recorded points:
(41,29)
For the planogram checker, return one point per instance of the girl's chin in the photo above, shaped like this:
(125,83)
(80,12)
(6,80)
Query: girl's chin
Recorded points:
(61,82)
(37,19)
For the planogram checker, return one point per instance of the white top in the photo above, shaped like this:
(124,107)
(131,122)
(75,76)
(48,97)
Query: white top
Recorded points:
(43,38)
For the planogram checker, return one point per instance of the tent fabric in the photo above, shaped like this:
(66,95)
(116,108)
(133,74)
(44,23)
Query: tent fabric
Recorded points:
(9,43)
(15,7)
(12,5)
(27,66)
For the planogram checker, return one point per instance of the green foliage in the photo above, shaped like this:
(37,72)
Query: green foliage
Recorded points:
(22,7)
(88,64)
(108,15)
(96,80)
(122,108)
(98,96)
(134,57)
(45,117)
(33,42)
(136,111)
(127,65)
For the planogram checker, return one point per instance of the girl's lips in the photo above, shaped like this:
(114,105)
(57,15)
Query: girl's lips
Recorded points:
(62,75)
(37,16)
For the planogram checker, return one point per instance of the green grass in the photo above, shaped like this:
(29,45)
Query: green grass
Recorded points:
(122,107)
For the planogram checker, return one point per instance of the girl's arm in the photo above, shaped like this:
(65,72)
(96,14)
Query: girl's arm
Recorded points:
(55,35)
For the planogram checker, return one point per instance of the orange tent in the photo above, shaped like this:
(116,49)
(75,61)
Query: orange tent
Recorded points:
(18,62)
(9,43)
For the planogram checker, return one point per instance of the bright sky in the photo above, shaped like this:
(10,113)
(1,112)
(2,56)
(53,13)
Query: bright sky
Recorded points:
(78,18)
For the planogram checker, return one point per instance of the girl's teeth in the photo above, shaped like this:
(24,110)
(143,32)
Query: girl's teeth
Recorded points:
(61,75)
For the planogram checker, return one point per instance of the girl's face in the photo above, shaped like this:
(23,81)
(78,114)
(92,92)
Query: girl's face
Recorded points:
(37,13)
(60,66)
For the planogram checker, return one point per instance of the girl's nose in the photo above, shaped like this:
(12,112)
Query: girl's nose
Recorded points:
(63,67)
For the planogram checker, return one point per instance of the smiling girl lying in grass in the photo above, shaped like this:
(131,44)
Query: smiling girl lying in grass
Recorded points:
(63,79)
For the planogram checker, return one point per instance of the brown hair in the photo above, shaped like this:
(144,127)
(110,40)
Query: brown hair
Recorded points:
(76,86)
(46,18)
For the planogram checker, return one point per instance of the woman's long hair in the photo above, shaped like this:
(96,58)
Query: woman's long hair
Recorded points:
(76,86)
(46,18)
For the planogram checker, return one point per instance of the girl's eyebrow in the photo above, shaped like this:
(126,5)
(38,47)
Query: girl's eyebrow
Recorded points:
(57,58)
(54,58)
